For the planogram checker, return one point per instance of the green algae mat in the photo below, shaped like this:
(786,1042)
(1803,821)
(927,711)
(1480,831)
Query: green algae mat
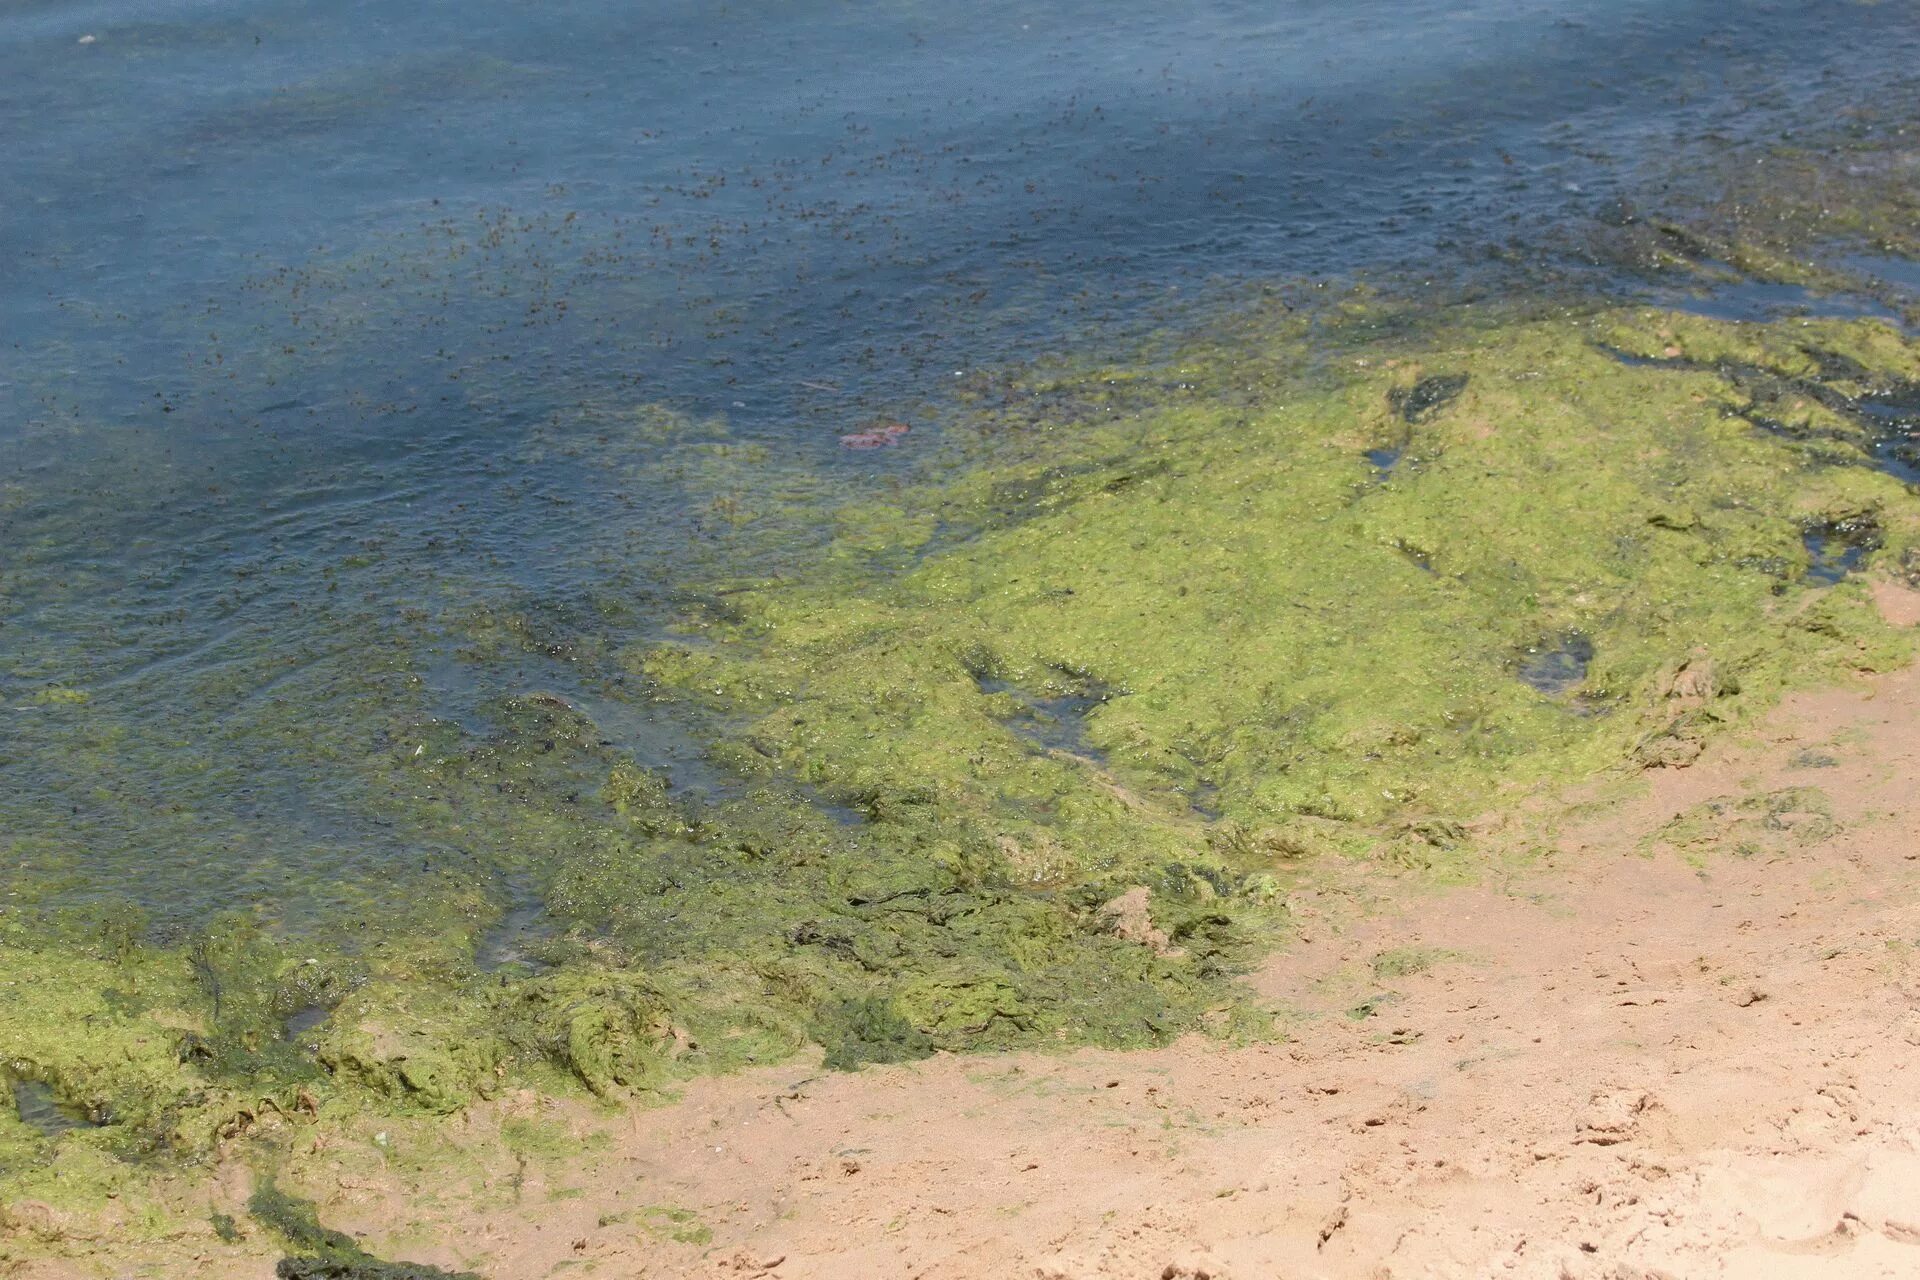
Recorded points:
(1033,752)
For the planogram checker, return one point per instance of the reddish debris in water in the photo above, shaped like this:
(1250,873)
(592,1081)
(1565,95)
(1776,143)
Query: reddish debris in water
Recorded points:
(878,436)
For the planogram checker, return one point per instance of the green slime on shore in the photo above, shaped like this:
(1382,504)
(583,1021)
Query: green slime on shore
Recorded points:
(1162,627)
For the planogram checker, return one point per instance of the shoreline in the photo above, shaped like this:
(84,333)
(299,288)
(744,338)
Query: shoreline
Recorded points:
(1677,1042)
(1051,747)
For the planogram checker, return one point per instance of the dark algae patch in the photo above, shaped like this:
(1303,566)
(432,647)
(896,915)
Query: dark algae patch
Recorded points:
(320,1253)
(1427,397)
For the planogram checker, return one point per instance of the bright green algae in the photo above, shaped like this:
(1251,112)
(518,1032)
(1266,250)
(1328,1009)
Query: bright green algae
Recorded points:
(1264,627)
(1174,627)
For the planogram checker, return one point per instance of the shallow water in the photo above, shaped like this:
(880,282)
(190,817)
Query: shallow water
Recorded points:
(332,333)
(1557,666)
(1758,301)
(37,1107)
